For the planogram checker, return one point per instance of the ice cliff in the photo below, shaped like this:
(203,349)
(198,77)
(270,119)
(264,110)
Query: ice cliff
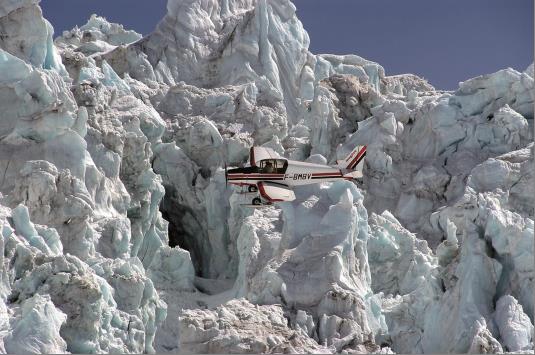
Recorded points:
(119,234)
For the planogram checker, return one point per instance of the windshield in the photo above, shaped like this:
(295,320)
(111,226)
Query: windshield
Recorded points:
(273,166)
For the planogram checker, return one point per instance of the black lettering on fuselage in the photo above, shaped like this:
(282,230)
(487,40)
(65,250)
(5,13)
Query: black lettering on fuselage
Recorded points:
(301,176)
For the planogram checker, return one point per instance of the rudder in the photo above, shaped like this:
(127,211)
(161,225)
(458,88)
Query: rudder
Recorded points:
(355,160)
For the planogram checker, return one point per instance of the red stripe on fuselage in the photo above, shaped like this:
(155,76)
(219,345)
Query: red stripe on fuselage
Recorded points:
(248,174)
(255,176)
(327,174)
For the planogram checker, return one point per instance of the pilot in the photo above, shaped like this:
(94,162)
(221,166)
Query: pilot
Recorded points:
(268,168)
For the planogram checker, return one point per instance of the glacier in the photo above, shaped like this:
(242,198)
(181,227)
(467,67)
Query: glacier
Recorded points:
(119,233)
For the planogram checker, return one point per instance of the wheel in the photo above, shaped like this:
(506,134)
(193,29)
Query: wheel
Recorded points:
(257,201)
(253,188)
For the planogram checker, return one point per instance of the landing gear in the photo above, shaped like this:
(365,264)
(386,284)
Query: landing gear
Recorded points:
(253,188)
(257,201)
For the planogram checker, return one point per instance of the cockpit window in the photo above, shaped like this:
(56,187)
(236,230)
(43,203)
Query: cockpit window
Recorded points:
(273,166)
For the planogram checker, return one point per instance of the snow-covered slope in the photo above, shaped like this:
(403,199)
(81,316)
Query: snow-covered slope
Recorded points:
(119,234)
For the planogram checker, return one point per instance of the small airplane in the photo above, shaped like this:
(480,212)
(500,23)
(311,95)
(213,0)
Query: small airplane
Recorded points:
(272,177)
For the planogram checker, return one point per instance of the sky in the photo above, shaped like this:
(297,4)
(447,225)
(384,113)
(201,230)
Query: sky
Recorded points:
(443,41)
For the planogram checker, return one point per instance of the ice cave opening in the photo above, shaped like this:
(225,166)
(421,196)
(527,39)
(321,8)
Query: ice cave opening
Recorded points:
(185,230)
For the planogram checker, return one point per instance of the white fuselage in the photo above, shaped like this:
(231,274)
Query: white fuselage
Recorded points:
(300,173)
(296,173)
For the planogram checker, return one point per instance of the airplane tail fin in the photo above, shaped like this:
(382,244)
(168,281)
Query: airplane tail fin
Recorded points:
(355,160)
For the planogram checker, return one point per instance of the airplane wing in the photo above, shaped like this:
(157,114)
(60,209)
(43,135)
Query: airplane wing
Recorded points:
(260,153)
(275,192)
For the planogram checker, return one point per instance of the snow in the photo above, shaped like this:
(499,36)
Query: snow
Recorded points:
(32,42)
(119,233)
(516,330)
(36,328)
(483,342)
(96,36)
(261,329)
(171,268)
